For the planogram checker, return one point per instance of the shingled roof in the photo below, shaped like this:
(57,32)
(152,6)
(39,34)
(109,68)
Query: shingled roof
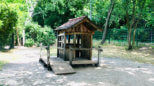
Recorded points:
(75,21)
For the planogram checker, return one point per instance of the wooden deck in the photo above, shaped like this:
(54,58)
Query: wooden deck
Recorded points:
(60,66)
(82,62)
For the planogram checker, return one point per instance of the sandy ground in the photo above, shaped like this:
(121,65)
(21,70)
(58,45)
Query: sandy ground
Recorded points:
(26,70)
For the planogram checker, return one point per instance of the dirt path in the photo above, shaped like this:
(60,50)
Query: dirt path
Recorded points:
(27,71)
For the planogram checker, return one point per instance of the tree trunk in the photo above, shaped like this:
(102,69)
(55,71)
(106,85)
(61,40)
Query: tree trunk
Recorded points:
(18,39)
(48,55)
(12,41)
(23,40)
(131,25)
(107,21)
(134,34)
(129,39)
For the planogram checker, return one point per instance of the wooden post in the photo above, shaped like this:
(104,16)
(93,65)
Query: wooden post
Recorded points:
(57,45)
(98,58)
(64,55)
(48,55)
(74,40)
(41,50)
(91,40)
(99,51)
(70,56)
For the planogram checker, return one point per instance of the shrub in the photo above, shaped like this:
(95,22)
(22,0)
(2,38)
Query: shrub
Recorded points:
(44,35)
(29,42)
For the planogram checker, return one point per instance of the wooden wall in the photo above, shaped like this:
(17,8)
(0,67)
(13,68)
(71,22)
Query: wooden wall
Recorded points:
(86,42)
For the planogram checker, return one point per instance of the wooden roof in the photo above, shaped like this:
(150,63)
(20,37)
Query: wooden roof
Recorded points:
(76,21)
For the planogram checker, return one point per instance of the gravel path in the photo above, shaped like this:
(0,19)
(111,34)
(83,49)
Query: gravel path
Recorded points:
(27,71)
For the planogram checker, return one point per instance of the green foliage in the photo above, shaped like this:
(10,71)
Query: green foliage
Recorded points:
(8,20)
(119,34)
(1,23)
(29,42)
(56,12)
(32,30)
(44,35)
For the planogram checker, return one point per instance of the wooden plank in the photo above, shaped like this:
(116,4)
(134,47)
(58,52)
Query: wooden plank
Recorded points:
(80,62)
(62,68)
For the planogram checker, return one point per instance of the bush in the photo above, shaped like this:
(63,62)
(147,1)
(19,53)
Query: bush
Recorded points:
(119,34)
(29,42)
(44,35)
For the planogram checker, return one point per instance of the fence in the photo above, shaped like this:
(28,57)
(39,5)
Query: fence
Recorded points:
(119,36)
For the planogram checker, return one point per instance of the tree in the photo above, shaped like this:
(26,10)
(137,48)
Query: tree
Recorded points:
(47,38)
(55,12)
(133,10)
(107,20)
(140,4)
(8,18)
(22,12)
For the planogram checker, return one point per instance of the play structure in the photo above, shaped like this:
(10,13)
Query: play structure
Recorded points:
(74,45)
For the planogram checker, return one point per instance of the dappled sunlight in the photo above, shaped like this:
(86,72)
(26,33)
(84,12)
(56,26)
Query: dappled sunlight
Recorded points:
(121,52)
(111,72)
(72,83)
(130,71)
(151,80)
(50,75)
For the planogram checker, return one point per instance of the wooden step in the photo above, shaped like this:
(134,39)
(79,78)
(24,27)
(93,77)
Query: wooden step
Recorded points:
(58,66)
(62,68)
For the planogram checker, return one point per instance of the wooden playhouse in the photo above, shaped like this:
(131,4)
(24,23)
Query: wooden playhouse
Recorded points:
(74,40)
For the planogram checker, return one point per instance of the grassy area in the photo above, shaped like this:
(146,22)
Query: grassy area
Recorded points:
(142,54)
(1,64)
(6,56)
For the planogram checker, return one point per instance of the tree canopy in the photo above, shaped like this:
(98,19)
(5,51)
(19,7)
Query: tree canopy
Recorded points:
(126,14)
(8,21)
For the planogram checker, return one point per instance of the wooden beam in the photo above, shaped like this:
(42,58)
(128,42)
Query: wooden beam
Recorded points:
(71,33)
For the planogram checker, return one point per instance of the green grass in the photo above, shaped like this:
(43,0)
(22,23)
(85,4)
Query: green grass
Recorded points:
(2,63)
(142,53)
